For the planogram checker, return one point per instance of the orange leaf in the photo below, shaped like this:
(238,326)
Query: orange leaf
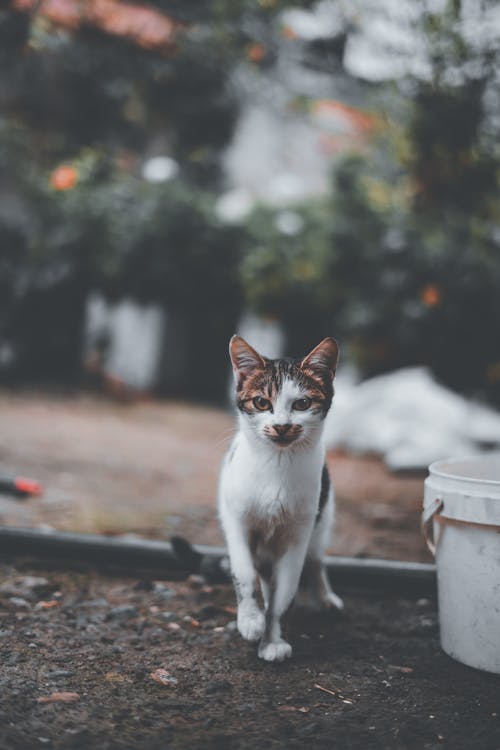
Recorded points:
(163,678)
(59,698)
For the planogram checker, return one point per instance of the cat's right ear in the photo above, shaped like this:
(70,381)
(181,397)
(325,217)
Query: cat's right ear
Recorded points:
(244,359)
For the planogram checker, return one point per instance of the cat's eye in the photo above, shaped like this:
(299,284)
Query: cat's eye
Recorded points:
(261,403)
(301,404)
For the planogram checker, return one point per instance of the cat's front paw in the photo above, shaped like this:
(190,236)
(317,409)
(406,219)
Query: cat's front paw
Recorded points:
(275,651)
(251,624)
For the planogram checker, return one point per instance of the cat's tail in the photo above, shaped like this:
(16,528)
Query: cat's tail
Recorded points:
(213,567)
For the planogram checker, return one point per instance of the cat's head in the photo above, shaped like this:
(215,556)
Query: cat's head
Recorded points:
(284,401)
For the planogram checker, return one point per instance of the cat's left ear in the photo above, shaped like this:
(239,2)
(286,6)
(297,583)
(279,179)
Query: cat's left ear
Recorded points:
(323,358)
(244,359)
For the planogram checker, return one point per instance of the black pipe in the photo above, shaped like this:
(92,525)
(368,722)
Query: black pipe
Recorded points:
(89,548)
(180,558)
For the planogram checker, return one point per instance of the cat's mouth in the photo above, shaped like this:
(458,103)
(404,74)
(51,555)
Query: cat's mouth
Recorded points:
(283,440)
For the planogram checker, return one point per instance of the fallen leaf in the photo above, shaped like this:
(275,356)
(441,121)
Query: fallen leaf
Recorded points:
(173,626)
(301,709)
(48,604)
(163,677)
(191,620)
(59,698)
(116,677)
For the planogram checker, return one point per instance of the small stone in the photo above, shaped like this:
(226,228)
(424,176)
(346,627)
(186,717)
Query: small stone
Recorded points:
(32,582)
(165,596)
(217,686)
(307,730)
(144,585)
(93,603)
(156,634)
(428,622)
(123,613)
(191,620)
(195,581)
(19,603)
(162,591)
(60,673)
(76,730)
(167,616)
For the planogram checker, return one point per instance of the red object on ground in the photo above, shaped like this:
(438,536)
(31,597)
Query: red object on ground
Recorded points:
(20,486)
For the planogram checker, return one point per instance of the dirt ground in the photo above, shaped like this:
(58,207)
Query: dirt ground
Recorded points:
(150,468)
(99,660)
(81,651)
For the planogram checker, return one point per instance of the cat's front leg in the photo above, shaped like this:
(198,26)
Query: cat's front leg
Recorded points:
(282,589)
(250,618)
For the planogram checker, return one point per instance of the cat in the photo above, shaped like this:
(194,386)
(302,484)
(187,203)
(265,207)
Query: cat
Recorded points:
(276,503)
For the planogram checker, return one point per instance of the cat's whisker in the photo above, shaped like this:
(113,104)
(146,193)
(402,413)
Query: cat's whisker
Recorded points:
(227,436)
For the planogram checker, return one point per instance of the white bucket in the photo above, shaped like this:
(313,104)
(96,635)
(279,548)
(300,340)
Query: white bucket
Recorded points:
(462,497)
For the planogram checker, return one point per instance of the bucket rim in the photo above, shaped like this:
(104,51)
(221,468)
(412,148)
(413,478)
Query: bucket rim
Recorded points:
(436,471)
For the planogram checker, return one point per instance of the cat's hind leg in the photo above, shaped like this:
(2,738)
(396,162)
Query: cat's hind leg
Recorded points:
(315,590)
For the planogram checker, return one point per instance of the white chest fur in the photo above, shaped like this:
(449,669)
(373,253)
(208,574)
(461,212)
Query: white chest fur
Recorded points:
(267,483)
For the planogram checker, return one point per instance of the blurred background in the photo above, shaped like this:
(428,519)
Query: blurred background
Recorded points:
(171,173)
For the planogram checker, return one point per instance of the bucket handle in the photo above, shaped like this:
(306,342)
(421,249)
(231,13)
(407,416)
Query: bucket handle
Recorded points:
(428,514)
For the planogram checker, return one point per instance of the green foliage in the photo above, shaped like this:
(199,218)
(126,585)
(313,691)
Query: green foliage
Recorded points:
(454,152)
(401,260)
(111,231)
(100,105)
(397,286)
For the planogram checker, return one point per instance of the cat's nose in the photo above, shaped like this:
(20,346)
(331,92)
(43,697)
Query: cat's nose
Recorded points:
(281,429)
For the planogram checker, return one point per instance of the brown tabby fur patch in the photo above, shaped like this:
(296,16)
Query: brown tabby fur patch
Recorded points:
(267,382)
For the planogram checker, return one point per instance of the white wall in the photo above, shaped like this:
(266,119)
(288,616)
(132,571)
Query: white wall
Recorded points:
(135,335)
